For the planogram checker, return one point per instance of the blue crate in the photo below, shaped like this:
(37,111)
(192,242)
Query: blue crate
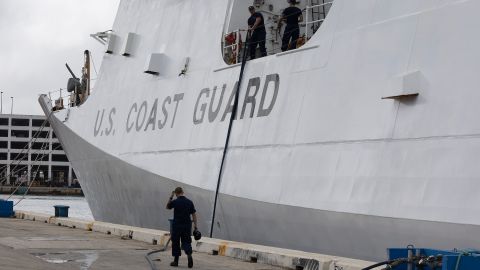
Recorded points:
(450,260)
(6,208)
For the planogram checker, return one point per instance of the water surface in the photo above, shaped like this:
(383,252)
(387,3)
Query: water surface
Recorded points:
(44,204)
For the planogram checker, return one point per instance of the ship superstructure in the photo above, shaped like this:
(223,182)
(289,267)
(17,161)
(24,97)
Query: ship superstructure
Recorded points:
(363,138)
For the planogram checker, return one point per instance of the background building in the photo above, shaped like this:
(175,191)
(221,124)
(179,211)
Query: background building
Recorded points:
(31,151)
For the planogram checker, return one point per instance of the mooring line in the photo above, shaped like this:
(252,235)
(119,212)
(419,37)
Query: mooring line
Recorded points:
(230,124)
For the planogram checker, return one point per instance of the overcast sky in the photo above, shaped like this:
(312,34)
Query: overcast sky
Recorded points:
(37,38)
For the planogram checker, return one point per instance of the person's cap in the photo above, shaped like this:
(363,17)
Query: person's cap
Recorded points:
(251,8)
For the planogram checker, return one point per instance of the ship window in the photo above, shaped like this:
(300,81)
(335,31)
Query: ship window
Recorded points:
(314,13)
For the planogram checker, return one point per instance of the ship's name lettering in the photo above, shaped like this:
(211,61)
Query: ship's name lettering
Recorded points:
(213,99)
(142,117)
(258,101)
(109,130)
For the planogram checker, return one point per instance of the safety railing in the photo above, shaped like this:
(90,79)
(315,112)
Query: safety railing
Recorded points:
(326,6)
(232,44)
(60,100)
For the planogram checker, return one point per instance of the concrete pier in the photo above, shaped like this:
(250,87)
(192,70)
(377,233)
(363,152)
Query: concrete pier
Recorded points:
(32,245)
(68,243)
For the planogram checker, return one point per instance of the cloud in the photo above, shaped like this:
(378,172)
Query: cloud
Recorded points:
(39,37)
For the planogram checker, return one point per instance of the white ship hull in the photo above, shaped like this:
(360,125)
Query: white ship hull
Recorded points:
(121,193)
(330,168)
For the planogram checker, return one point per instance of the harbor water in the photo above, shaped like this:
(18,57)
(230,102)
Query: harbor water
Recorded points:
(44,204)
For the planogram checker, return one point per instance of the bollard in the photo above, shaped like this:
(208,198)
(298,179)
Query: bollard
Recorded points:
(61,210)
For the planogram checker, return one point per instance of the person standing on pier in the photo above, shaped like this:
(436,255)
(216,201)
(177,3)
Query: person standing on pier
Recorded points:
(183,208)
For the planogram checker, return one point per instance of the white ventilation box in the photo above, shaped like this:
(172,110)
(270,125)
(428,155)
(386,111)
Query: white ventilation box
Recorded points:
(406,85)
(128,45)
(156,64)
(112,40)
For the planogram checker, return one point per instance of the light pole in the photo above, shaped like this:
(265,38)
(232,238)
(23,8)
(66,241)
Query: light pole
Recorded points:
(1,102)
(11,108)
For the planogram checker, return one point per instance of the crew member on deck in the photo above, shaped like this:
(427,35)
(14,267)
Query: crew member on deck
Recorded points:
(292,15)
(182,225)
(256,26)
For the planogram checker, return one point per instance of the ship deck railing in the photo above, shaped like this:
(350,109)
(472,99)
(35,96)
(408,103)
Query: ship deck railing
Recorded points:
(307,22)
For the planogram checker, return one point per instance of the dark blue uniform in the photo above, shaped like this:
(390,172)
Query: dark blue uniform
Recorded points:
(258,36)
(182,225)
(292,30)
